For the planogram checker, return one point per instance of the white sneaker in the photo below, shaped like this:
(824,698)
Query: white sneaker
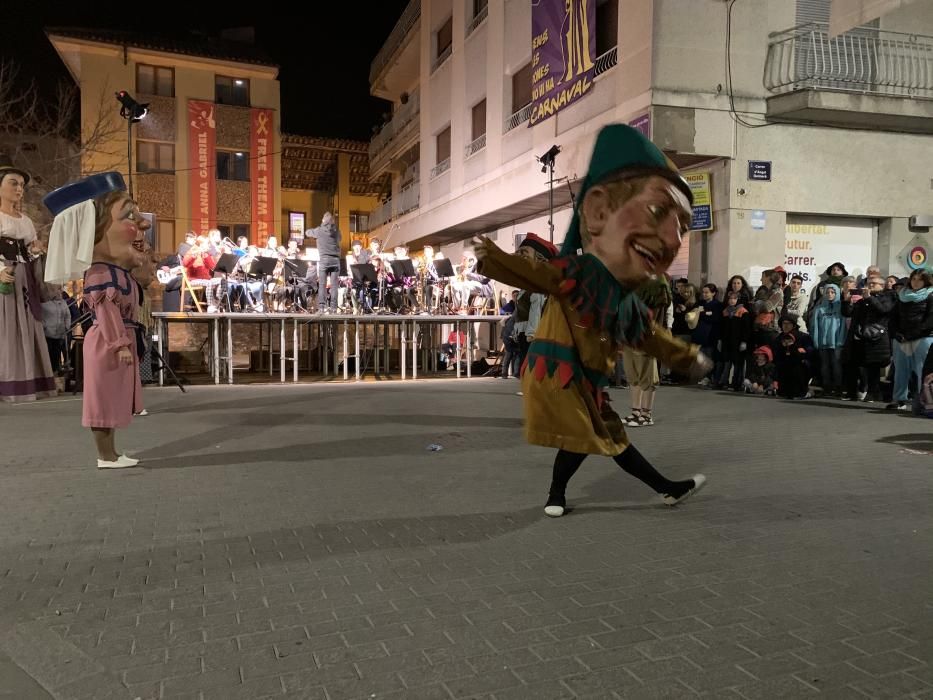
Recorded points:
(519,393)
(699,481)
(143,412)
(121,462)
(862,395)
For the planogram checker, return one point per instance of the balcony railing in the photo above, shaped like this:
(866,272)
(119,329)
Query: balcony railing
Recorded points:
(517,119)
(606,61)
(475,146)
(478,20)
(440,168)
(444,55)
(404,25)
(403,117)
(408,198)
(866,60)
(380,215)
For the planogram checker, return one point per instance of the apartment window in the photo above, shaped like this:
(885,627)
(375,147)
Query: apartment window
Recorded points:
(233,231)
(478,119)
(155,80)
(153,157)
(443,146)
(479,6)
(359,222)
(232,91)
(521,88)
(445,37)
(232,165)
(607,25)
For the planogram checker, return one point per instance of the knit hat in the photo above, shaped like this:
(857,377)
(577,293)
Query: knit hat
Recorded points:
(620,153)
(790,319)
(766,351)
(539,245)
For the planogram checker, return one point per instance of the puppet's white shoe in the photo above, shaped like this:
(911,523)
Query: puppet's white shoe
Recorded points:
(555,507)
(698,481)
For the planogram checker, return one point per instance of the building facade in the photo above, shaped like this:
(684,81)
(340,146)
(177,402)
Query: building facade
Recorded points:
(208,152)
(805,148)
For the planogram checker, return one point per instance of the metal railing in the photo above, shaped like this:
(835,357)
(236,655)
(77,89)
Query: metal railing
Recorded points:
(606,61)
(517,119)
(404,115)
(408,199)
(444,55)
(380,215)
(396,38)
(477,20)
(866,60)
(441,167)
(475,146)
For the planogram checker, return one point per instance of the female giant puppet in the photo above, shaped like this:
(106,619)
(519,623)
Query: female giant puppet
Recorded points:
(25,370)
(96,226)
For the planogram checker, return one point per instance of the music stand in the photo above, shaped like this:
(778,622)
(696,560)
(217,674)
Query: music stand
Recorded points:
(296,270)
(226,265)
(402,268)
(364,277)
(262,267)
(444,267)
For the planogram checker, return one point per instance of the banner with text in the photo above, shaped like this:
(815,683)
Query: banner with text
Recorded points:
(812,244)
(202,165)
(563,47)
(262,187)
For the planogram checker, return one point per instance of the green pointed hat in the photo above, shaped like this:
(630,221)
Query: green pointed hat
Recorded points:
(621,152)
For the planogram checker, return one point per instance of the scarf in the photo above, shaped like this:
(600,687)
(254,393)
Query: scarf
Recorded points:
(915,296)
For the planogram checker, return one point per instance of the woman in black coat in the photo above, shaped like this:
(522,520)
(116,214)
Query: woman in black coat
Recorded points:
(868,343)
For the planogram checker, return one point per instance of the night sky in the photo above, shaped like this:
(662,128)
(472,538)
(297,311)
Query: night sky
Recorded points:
(324,59)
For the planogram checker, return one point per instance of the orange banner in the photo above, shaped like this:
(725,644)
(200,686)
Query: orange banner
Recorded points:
(262,174)
(202,164)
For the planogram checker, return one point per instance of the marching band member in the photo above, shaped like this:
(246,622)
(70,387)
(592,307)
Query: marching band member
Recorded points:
(199,265)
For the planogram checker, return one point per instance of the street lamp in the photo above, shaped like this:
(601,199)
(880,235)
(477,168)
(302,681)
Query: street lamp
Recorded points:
(133,112)
(547,166)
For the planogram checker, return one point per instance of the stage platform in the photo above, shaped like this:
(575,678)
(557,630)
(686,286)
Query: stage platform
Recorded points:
(323,346)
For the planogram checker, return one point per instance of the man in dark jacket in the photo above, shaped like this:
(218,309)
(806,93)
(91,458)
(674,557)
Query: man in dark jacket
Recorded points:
(868,343)
(328,267)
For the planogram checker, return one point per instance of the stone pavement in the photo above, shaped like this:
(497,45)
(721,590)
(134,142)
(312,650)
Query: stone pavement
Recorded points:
(301,541)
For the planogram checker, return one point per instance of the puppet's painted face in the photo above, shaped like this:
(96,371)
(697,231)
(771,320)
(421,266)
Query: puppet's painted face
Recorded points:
(641,237)
(120,241)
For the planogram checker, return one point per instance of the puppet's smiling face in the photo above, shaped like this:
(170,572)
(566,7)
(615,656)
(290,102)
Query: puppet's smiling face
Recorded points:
(120,239)
(639,237)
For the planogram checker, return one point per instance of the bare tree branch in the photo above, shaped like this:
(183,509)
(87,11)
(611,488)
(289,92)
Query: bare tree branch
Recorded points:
(51,141)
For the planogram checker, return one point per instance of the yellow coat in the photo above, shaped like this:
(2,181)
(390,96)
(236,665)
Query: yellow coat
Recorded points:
(560,410)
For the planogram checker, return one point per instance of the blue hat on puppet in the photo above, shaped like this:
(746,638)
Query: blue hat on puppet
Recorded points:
(71,240)
(621,153)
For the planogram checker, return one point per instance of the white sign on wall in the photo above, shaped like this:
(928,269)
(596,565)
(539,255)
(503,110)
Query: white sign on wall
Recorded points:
(811,244)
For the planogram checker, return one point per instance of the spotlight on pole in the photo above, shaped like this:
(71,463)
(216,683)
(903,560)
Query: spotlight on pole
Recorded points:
(130,109)
(547,160)
(547,166)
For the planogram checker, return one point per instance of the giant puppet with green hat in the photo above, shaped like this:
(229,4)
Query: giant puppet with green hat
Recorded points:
(627,227)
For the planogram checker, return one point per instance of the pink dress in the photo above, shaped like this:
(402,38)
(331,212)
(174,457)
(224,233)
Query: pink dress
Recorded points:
(112,389)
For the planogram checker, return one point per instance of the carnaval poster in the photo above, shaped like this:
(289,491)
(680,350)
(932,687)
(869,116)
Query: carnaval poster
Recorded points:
(261,166)
(202,163)
(563,48)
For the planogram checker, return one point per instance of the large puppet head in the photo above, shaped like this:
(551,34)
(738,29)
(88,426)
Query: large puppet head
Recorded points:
(633,208)
(95,221)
